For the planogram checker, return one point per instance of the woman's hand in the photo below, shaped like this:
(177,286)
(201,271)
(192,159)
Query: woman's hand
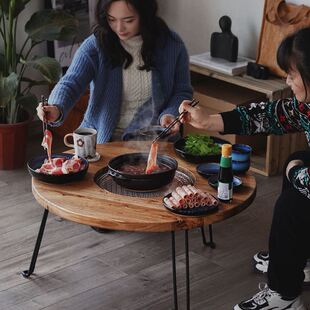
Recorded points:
(198,117)
(293,163)
(48,113)
(166,120)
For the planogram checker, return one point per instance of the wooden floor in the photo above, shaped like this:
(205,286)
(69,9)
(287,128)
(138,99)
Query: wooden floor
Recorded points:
(79,268)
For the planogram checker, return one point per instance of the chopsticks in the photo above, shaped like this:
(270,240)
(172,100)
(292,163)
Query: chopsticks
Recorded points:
(193,103)
(44,123)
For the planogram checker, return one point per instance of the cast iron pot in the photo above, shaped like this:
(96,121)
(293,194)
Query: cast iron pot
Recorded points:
(142,182)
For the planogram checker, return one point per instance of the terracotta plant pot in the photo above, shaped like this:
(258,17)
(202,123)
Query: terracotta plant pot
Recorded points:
(13,138)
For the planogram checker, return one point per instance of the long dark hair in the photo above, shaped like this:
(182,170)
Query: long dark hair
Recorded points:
(152,29)
(294,50)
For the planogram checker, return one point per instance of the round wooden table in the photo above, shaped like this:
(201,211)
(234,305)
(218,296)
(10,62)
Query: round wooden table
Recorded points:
(85,202)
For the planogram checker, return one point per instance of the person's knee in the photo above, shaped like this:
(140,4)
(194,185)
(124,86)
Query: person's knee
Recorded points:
(301,155)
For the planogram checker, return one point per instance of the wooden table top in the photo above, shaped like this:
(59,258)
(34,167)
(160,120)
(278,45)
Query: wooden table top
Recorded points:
(86,203)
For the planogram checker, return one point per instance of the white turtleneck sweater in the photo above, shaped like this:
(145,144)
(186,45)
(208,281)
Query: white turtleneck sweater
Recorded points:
(137,85)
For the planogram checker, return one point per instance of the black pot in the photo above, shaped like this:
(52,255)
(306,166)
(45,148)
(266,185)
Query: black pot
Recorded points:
(142,182)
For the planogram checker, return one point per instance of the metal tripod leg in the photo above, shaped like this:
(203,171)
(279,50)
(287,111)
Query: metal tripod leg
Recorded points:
(211,244)
(188,302)
(175,291)
(28,273)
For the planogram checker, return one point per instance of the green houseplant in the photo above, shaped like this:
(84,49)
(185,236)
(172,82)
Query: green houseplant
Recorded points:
(17,102)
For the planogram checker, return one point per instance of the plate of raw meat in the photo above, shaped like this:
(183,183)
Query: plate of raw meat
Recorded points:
(56,168)
(62,168)
(189,200)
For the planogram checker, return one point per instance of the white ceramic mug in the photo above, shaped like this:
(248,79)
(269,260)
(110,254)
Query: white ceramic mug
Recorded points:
(84,142)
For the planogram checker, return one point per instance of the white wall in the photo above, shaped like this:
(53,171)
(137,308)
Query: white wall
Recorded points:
(195,20)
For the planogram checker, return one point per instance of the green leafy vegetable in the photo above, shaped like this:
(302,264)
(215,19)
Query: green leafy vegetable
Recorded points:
(197,144)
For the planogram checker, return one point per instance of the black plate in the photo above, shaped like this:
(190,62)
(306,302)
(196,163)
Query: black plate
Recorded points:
(198,211)
(213,181)
(208,169)
(197,159)
(37,162)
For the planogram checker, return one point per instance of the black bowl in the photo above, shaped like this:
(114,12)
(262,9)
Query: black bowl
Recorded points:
(37,162)
(179,147)
(142,182)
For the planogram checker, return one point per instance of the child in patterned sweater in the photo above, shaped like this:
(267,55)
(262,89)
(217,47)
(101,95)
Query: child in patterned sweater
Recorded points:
(289,246)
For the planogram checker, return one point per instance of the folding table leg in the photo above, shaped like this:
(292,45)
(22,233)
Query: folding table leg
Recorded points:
(211,244)
(28,273)
(188,302)
(174,272)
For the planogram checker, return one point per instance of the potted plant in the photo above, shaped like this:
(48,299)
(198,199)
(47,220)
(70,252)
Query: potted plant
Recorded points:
(17,102)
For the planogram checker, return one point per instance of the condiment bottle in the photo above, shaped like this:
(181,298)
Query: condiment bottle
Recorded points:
(225,176)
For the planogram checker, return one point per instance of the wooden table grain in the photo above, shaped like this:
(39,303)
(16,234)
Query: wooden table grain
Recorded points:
(86,203)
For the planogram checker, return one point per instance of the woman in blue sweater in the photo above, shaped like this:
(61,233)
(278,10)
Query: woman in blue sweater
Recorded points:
(136,68)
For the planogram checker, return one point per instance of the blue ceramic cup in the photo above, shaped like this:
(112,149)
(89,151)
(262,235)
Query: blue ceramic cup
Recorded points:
(241,152)
(241,157)
(240,166)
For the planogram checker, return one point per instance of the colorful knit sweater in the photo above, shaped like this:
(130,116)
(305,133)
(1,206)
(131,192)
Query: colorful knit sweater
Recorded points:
(276,117)
(170,86)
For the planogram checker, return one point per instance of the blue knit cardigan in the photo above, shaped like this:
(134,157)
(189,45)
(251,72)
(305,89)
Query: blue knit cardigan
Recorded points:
(170,85)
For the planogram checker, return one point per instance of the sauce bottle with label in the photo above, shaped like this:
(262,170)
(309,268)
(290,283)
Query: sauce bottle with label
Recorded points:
(225,176)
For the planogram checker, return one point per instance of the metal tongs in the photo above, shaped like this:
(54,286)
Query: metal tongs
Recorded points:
(193,103)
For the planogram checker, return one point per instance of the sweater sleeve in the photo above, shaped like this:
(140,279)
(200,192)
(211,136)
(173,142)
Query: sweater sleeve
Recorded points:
(274,117)
(299,176)
(74,83)
(182,89)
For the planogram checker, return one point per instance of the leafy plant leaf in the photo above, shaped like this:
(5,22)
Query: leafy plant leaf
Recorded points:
(48,67)
(8,89)
(19,6)
(2,61)
(28,102)
(51,25)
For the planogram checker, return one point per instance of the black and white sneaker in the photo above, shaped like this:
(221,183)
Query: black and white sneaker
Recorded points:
(261,261)
(266,299)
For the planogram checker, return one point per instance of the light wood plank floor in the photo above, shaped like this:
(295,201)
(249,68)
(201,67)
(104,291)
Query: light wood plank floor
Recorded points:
(78,268)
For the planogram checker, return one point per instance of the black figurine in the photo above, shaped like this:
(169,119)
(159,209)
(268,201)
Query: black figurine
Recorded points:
(224,44)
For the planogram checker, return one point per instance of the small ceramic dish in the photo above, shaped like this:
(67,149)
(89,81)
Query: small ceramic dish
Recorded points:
(208,169)
(213,181)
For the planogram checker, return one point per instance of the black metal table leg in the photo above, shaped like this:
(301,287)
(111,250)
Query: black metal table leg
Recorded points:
(174,272)
(211,244)
(28,273)
(188,302)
